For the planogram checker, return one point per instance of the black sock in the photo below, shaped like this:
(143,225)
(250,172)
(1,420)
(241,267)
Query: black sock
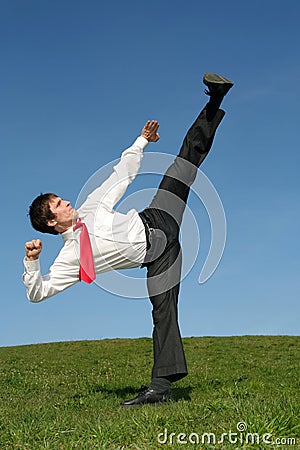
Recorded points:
(160,384)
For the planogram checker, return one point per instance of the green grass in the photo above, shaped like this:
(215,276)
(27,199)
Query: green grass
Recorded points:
(67,395)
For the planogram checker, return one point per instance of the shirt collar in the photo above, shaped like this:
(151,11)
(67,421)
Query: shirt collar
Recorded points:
(69,233)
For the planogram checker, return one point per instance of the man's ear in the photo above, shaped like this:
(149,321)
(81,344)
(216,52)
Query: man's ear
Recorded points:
(51,223)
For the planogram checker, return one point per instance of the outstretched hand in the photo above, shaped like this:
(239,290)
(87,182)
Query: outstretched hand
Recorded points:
(149,131)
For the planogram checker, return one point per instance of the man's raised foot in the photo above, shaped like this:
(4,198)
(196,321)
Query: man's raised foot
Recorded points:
(218,85)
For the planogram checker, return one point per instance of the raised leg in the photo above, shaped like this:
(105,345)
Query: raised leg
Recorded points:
(173,191)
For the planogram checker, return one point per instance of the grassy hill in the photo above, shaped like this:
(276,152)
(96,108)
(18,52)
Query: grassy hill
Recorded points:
(67,395)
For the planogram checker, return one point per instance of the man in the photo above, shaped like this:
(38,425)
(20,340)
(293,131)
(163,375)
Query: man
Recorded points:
(97,238)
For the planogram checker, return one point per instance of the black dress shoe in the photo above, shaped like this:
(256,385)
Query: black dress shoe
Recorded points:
(148,396)
(217,84)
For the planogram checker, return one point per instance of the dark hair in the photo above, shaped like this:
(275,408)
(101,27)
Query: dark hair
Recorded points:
(40,213)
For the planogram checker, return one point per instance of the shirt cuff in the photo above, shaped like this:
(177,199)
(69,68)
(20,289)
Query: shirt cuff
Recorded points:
(32,266)
(141,142)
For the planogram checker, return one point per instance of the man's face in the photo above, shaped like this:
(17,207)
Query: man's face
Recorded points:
(63,212)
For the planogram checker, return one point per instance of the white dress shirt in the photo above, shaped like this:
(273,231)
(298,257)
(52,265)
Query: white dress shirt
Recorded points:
(118,240)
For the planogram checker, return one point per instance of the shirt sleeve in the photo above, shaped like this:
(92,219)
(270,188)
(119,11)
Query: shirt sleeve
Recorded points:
(112,190)
(61,276)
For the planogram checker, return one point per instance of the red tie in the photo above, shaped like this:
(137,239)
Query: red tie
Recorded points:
(87,269)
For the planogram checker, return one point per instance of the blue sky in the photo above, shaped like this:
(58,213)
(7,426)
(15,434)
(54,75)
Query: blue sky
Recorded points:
(78,81)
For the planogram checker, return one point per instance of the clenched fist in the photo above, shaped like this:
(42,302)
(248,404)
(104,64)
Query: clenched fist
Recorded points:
(33,249)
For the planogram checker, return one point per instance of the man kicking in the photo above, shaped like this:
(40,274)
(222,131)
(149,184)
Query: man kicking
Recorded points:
(97,238)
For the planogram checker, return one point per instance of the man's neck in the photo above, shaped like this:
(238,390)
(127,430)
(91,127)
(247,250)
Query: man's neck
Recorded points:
(62,228)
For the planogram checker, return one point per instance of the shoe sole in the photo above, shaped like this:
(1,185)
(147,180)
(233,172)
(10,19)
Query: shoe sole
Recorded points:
(216,79)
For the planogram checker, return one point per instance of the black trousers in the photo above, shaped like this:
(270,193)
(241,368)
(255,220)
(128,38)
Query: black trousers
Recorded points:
(163,259)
